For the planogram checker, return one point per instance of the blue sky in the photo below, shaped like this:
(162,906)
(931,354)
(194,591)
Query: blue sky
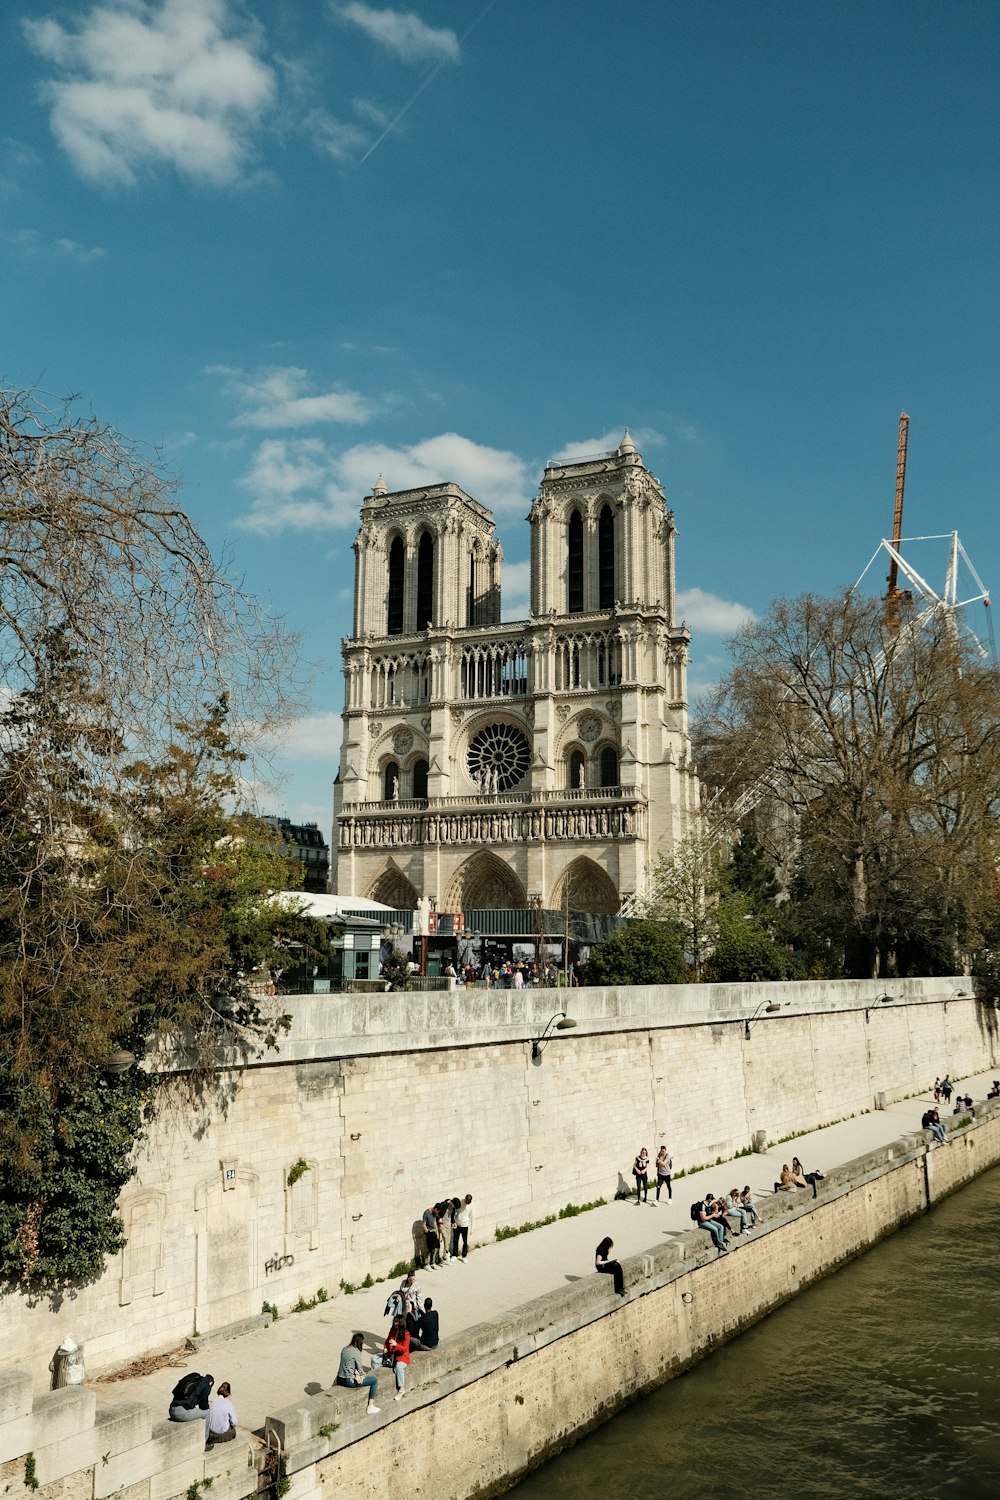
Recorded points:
(291,244)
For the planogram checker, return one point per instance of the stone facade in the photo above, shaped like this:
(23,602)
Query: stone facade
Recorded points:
(506,1394)
(216,1228)
(498,766)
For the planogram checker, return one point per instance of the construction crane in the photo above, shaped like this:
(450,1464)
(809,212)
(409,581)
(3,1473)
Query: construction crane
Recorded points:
(721,819)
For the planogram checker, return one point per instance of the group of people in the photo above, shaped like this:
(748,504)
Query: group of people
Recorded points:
(192,1401)
(795,1176)
(713,1215)
(446,1228)
(415,1327)
(664,1171)
(943,1090)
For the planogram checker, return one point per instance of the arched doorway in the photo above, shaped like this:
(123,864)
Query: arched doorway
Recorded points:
(485,883)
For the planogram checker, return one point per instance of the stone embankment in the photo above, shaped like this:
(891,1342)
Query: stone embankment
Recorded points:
(503,1395)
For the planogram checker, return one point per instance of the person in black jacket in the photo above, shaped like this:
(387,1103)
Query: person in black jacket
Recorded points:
(424,1330)
(189,1399)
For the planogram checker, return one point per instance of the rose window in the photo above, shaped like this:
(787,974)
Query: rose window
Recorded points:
(499,756)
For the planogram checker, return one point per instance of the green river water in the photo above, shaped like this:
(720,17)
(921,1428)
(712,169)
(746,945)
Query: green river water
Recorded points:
(882,1380)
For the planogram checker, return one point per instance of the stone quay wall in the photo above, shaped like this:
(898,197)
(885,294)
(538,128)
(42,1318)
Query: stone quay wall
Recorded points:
(507,1394)
(392,1101)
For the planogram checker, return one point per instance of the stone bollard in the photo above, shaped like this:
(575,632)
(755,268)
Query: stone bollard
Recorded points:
(880,1101)
(759,1142)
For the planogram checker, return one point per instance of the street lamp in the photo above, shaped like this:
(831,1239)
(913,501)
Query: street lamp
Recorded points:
(563,1022)
(765,1008)
(880,1000)
(957,995)
(119,1062)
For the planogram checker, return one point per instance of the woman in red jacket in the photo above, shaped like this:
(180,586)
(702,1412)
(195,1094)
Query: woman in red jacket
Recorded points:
(396,1352)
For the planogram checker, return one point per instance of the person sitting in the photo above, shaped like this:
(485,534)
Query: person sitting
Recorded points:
(423,1327)
(705,1220)
(733,1208)
(717,1210)
(931,1120)
(396,1354)
(222,1416)
(786,1181)
(746,1198)
(607,1266)
(803,1178)
(405,1299)
(189,1400)
(994,1092)
(352,1372)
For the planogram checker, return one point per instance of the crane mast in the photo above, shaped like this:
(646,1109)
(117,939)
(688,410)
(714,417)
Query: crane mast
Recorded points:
(892,593)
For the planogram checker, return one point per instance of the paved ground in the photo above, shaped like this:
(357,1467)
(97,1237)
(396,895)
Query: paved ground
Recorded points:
(274,1367)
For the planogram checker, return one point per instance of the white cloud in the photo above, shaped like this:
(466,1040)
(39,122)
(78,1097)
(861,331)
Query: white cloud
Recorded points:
(402,32)
(279,397)
(30,242)
(303,484)
(366,109)
(516,590)
(711,615)
(341,139)
(311,737)
(174,83)
(642,437)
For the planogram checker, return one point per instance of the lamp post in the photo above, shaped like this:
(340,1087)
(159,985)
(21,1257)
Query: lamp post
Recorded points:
(879,1000)
(765,1008)
(562,1021)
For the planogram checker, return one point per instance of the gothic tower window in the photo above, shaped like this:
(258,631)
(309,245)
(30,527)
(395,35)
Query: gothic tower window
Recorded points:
(574,572)
(577,774)
(606,558)
(609,767)
(425,581)
(397,579)
(420,779)
(390,782)
(470,611)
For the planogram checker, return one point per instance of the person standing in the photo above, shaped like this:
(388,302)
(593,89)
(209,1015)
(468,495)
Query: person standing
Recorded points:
(464,1218)
(430,1223)
(947,1088)
(605,1265)
(664,1169)
(640,1171)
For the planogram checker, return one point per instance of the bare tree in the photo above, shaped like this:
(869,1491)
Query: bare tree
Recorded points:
(878,742)
(92,544)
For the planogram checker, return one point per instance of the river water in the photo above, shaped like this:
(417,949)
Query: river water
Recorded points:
(883,1380)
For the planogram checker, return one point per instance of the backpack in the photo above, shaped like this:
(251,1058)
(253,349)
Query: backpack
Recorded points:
(696,1209)
(183,1391)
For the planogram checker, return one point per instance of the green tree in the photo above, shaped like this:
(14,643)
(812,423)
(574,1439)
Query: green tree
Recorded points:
(134,900)
(751,873)
(688,881)
(745,950)
(647,952)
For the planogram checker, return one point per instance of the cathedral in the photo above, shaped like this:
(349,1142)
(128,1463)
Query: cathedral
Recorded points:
(492,767)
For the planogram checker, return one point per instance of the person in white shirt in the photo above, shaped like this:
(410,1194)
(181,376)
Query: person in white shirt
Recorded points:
(463,1223)
(222,1416)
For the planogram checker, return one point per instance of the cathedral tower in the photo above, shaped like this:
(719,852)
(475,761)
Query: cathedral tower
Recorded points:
(498,766)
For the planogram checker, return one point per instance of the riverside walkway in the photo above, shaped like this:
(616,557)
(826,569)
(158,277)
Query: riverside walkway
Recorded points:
(271,1368)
